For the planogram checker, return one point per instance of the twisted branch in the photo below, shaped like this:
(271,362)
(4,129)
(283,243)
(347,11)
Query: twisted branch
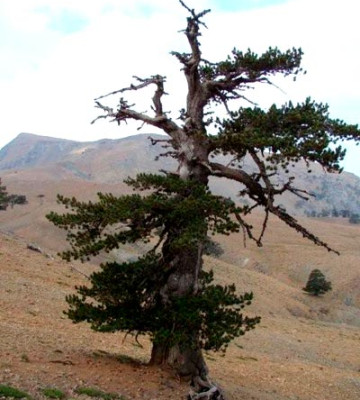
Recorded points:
(263,196)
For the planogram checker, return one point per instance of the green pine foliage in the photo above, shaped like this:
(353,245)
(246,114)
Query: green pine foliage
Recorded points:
(317,283)
(127,296)
(12,393)
(112,221)
(12,199)
(287,134)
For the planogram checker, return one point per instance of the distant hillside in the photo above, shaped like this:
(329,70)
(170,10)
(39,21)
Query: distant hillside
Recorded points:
(111,161)
(105,160)
(28,150)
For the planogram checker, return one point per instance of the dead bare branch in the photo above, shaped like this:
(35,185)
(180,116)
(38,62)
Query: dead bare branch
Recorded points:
(195,16)
(264,225)
(80,272)
(156,141)
(143,83)
(124,112)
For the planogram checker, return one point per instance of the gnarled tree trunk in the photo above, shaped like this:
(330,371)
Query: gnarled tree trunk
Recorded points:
(186,264)
(185,358)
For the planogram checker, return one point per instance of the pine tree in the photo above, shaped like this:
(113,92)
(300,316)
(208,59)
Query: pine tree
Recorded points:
(354,218)
(317,284)
(166,293)
(12,199)
(3,197)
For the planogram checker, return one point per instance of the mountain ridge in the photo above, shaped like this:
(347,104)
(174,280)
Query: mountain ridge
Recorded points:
(111,161)
(28,150)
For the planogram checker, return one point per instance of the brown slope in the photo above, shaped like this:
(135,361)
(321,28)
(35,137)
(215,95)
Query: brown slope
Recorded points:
(286,357)
(29,220)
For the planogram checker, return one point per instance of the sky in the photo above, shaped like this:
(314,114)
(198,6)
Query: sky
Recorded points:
(56,56)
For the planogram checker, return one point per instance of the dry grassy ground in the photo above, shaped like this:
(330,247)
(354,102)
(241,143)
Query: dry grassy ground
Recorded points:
(302,350)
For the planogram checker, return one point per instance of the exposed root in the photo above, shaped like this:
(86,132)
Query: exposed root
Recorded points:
(205,390)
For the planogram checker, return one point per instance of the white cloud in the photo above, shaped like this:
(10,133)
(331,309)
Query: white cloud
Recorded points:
(50,79)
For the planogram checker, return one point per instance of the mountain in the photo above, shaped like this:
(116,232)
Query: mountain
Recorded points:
(105,160)
(109,161)
(28,150)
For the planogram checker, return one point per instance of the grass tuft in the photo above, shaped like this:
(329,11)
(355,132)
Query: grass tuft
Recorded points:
(9,391)
(53,393)
(25,358)
(93,392)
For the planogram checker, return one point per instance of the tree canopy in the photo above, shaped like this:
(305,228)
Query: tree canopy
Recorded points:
(317,284)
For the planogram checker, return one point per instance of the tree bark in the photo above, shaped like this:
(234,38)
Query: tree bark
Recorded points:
(188,362)
(186,358)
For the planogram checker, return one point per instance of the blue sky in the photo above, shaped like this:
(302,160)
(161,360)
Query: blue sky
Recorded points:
(64,21)
(57,56)
(242,5)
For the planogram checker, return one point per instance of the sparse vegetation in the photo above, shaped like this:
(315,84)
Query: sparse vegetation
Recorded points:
(25,358)
(94,392)
(317,284)
(53,393)
(212,248)
(13,393)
